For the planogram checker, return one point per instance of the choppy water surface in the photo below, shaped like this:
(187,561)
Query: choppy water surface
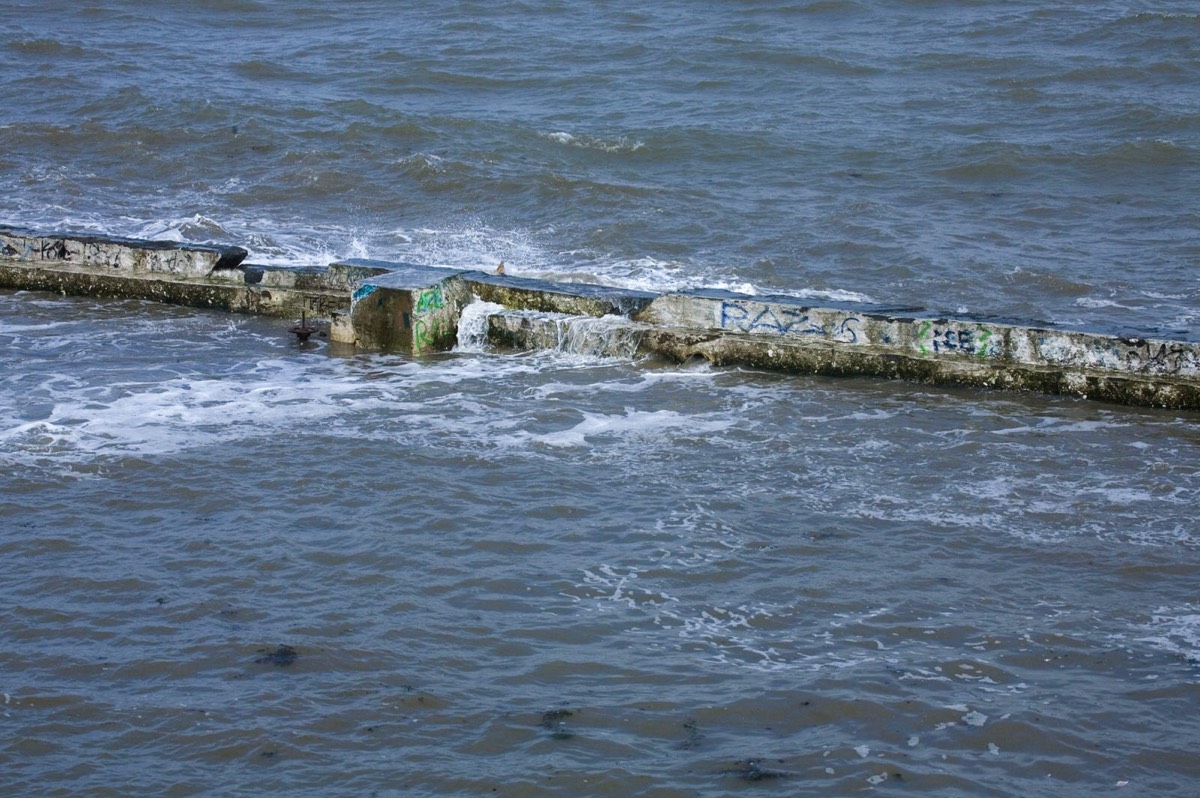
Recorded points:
(235,566)
(1003,158)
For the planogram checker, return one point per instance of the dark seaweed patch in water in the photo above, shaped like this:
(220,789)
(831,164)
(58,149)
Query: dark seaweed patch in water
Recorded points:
(556,721)
(694,736)
(281,656)
(753,770)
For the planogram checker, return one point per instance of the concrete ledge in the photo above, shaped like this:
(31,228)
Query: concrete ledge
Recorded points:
(836,360)
(233,297)
(384,306)
(812,355)
(411,308)
(577,299)
(120,255)
(182,274)
(605,336)
(924,337)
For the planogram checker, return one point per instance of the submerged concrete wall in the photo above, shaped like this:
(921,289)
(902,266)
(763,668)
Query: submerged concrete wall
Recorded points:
(378,305)
(415,309)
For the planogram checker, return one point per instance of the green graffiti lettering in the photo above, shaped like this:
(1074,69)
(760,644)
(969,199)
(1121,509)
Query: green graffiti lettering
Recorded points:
(921,333)
(421,334)
(430,299)
(985,335)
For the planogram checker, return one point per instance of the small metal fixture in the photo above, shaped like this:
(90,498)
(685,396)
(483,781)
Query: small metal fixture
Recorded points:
(302,330)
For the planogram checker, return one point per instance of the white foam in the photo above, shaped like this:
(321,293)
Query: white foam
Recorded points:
(604,337)
(620,144)
(632,424)
(174,410)
(1175,630)
(975,718)
(420,159)
(1058,426)
(472,325)
(471,244)
(642,382)
(1093,302)
(189,228)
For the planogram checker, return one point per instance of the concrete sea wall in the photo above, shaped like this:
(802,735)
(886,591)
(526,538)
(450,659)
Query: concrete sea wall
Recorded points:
(164,271)
(384,306)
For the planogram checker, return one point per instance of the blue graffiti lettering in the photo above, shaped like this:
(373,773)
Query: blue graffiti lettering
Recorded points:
(362,292)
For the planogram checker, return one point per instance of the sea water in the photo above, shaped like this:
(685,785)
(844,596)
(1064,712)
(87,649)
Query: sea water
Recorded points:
(239,565)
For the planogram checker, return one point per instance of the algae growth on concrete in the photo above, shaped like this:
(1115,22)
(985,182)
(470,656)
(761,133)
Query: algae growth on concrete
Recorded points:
(382,306)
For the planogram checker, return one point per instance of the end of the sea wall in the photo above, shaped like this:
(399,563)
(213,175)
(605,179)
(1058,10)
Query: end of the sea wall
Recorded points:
(195,275)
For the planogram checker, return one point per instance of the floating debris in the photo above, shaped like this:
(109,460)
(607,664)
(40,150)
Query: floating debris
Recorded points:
(281,656)
(694,735)
(753,770)
(556,721)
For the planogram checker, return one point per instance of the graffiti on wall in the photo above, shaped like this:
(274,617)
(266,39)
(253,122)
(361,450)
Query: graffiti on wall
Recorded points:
(427,324)
(36,249)
(847,330)
(53,249)
(362,292)
(754,317)
(1161,357)
(427,332)
(104,253)
(937,337)
(429,300)
(750,317)
(1136,355)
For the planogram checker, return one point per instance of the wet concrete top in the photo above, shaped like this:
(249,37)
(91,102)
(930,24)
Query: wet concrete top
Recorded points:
(230,256)
(400,275)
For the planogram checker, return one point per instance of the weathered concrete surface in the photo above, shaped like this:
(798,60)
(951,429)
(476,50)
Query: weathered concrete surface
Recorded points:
(783,335)
(411,308)
(577,299)
(182,274)
(836,359)
(122,255)
(925,338)
(604,336)
(407,308)
(378,305)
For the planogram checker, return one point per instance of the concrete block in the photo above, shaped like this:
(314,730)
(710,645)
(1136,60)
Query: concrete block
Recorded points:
(412,309)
